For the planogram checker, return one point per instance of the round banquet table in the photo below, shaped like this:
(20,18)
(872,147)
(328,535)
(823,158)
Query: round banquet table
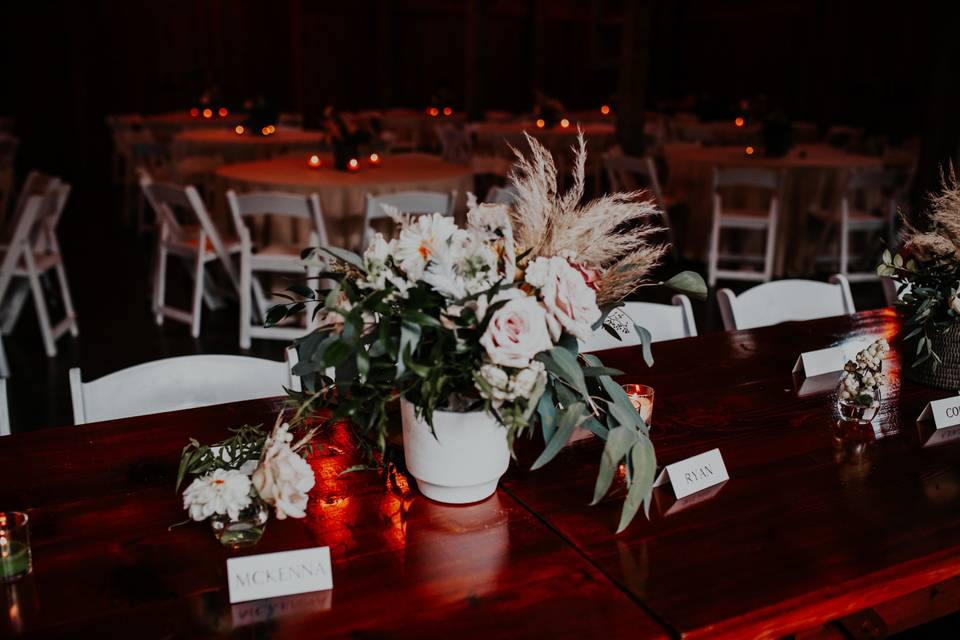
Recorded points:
(343,194)
(812,180)
(165,125)
(233,147)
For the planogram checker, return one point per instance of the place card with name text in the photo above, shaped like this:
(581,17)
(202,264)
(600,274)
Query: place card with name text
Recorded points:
(944,412)
(821,361)
(694,474)
(284,573)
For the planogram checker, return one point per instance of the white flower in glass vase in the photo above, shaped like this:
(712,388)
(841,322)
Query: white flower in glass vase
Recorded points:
(220,492)
(283,477)
(517,331)
(570,301)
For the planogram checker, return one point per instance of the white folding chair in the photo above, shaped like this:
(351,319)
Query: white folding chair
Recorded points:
(409,202)
(33,252)
(627,173)
(879,221)
(179,383)
(4,411)
(272,258)
(197,241)
(785,300)
(663,321)
(766,180)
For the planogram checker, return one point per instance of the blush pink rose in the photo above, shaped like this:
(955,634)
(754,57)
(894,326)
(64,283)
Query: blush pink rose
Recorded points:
(517,331)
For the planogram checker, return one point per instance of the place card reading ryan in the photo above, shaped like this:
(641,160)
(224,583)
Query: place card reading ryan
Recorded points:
(694,474)
(284,573)
(944,413)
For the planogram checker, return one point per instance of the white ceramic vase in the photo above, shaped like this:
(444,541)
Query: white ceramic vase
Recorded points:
(463,462)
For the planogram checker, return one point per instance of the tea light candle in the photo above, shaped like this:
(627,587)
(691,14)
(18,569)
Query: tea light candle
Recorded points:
(353,165)
(222,112)
(208,113)
(374,159)
(433,112)
(641,397)
(447,111)
(238,129)
(605,110)
(194,112)
(541,123)
(738,121)
(564,123)
(314,162)
(749,151)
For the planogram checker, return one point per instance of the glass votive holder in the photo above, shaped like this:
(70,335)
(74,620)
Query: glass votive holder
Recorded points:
(14,546)
(641,397)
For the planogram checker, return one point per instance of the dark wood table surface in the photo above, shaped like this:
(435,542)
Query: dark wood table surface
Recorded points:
(819,522)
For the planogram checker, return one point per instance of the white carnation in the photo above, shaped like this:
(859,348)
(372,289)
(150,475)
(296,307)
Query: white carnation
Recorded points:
(220,492)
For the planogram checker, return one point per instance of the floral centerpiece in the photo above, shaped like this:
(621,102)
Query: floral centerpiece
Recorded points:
(477,332)
(236,480)
(346,136)
(927,274)
(858,397)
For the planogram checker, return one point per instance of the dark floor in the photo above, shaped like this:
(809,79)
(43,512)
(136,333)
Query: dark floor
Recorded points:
(109,271)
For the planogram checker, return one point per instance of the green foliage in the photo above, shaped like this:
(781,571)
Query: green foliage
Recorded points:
(925,291)
(245,444)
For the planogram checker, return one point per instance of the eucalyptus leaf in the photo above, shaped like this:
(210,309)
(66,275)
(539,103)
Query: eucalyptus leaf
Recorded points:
(564,365)
(689,282)
(645,341)
(643,461)
(619,443)
(570,420)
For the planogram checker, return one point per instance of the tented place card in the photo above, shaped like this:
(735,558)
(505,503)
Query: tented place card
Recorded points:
(284,573)
(944,413)
(821,361)
(694,474)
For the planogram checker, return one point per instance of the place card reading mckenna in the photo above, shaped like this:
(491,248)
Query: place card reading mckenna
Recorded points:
(694,474)
(944,412)
(284,573)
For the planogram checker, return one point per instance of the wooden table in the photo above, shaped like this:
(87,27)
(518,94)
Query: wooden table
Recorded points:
(818,522)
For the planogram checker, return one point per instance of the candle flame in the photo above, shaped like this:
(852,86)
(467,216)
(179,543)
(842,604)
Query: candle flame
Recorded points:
(564,123)
(749,151)
(222,112)
(738,121)
(238,129)
(207,113)
(433,111)
(354,163)
(314,160)
(605,109)
(194,112)
(540,123)
(447,111)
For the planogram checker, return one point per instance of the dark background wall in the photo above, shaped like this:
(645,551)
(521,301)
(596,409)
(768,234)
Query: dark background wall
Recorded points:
(65,65)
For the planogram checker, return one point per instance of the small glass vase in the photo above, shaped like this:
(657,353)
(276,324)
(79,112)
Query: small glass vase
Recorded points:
(246,530)
(850,411)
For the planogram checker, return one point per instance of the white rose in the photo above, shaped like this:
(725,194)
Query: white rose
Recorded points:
(571,302)
(220,492)
(283,477)
(517,331)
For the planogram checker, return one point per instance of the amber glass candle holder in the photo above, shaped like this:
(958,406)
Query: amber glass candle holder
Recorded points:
(641,397)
